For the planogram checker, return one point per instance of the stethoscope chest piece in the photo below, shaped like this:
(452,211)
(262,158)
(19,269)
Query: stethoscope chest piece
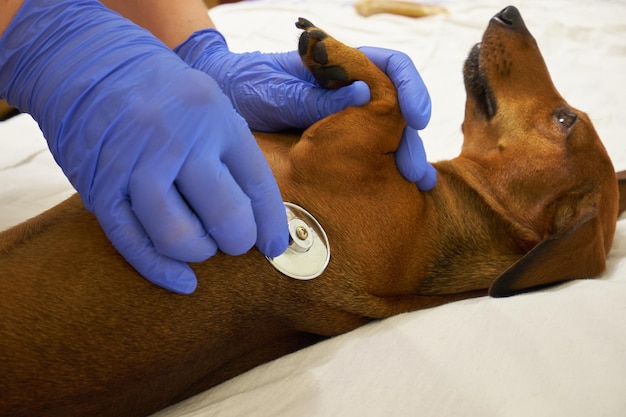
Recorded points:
(308,253)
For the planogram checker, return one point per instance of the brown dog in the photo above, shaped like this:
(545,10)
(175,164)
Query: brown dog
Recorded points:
(531,200)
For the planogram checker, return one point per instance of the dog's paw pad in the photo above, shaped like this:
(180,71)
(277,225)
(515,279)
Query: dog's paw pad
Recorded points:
(331,77)
(318,50)
(313,49)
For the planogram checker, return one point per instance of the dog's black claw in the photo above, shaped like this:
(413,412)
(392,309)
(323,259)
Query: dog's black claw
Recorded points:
(302,23)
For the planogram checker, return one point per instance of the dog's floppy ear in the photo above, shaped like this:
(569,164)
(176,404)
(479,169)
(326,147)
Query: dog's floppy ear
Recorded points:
(578,252)
(577,249)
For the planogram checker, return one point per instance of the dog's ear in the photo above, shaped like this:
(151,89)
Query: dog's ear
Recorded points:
(576,248)
(621,182)
(577,252)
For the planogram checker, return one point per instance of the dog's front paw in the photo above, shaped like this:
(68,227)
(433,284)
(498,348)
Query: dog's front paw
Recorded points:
(317,49)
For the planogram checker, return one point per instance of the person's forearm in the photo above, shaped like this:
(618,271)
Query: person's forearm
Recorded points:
(172,21)
(8,8)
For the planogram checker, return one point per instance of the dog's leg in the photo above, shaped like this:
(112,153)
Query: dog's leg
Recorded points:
(359,135)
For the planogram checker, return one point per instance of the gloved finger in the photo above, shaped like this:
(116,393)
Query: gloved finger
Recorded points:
(428,180)
(308,104)
(355,94)
(291,63)
(251,171)
(131,241)
(412,92)
(217,199)
(272,232)
(173,227)
(411,161)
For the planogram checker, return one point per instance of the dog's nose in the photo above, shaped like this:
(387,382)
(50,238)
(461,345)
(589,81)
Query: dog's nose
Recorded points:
(510,17)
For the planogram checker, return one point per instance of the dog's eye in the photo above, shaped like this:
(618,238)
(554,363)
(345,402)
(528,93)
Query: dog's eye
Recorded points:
(566,118)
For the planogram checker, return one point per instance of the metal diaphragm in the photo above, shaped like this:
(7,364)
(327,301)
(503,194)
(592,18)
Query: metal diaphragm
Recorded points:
(308,252)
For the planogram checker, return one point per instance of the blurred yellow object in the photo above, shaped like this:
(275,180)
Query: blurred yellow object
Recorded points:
(402,8)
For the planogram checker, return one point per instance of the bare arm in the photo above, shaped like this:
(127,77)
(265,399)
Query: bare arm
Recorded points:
(8,8)
(172,21)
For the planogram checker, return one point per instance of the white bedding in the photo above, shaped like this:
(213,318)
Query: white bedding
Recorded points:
(556,352)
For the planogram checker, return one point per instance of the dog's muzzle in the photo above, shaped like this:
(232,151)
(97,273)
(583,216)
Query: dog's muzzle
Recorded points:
(477,85)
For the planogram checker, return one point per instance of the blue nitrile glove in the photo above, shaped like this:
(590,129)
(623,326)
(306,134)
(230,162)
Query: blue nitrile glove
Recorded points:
(153,147)
(415,106)
(274,91)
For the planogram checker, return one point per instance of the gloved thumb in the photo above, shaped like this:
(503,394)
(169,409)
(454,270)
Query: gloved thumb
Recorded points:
(319,103)
(355,94)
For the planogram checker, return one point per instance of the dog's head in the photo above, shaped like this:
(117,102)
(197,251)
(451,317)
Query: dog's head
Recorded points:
(536,160)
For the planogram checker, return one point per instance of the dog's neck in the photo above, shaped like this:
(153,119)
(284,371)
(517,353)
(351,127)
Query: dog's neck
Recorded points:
(472,234)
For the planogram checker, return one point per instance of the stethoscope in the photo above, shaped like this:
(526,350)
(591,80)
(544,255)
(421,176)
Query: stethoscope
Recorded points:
(308,253)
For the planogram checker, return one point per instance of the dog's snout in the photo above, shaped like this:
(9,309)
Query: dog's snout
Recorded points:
(511,17)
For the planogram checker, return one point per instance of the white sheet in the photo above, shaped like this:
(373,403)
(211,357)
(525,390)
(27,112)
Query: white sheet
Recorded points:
(557,352)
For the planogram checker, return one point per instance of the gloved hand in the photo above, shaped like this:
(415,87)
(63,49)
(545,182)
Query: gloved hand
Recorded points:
(274,91)
(415,107)
(153,147)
